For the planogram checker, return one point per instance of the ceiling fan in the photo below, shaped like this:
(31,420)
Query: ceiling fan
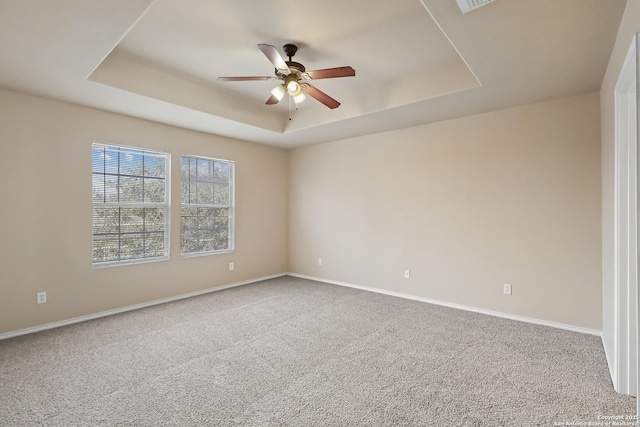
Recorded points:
(294,76)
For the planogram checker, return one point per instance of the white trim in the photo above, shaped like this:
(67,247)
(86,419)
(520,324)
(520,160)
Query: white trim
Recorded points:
(609,358)
(457,306)
(623,363)
(195,156)
(444,33)
(231,182)
(197,254)
(79,319)
(166,205)
(107,264)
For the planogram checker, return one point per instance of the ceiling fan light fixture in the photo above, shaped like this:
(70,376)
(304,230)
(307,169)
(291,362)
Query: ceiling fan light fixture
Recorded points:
(295,91)
(293,76)
(278,92)
(299,97)
(293,87)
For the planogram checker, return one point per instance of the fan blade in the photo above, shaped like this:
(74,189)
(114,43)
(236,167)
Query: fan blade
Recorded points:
(272,100)
(320,96)
(329,73)
(244,79)
(273,55)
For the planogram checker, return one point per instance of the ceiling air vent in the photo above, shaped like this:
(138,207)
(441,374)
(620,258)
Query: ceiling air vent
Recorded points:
(469,5)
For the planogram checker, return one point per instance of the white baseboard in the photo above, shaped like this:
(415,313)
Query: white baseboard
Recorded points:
(130,308)
(610,365)
(457,306)
(79,319)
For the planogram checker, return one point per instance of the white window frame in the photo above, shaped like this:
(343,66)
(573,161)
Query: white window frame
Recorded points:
(166,205)
(230,207)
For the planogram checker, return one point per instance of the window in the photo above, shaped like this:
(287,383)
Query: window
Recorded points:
(130,205)
(206,219)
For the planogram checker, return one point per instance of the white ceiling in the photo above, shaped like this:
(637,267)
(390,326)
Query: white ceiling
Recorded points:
(416,61)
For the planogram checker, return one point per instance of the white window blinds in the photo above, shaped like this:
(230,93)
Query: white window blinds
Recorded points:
(130,205)
(207,208)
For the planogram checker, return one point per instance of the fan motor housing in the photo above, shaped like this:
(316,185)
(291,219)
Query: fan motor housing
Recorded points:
(296,66)
(297,69)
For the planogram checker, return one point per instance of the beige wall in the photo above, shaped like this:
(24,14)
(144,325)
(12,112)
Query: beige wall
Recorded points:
(629,25)
(467,205)
(45,220)
(506,197)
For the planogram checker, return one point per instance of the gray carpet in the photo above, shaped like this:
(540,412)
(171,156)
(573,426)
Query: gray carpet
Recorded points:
(293,352)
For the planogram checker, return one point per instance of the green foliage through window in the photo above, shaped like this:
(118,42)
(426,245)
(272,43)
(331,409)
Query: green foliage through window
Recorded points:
(130,209)
(206,219)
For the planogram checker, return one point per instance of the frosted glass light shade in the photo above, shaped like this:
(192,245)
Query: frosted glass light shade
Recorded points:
(278,92)
(299,98)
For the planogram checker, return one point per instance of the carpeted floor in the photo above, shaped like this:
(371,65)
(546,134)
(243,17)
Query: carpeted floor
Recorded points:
(293,352)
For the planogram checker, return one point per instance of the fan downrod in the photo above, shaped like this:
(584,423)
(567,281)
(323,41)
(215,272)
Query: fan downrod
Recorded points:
(296,67)
(290,50)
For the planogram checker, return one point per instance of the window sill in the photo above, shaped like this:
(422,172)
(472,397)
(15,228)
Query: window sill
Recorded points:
(128,262)
(199,254)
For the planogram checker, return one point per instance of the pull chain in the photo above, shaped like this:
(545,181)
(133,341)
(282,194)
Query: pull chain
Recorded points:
(290,101)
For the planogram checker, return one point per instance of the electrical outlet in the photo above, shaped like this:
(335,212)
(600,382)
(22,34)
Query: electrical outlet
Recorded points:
(407,274)
(41,297)
(319,261)
(231,266)
(507,289)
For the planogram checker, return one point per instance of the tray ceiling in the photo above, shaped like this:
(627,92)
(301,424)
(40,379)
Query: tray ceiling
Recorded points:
(416,61)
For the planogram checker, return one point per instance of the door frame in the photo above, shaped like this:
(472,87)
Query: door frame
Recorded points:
(625,373)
